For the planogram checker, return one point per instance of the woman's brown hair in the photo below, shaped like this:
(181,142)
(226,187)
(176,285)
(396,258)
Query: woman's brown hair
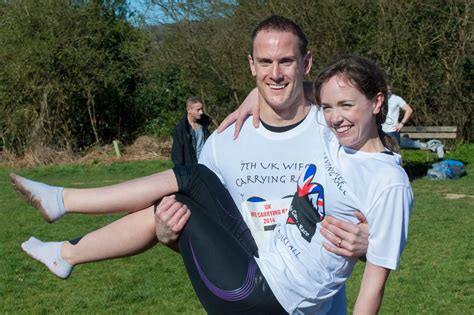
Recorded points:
(368,78)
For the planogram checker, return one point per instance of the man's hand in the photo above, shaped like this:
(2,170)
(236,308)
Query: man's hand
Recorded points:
(349,240)
(398,126)
(170,218)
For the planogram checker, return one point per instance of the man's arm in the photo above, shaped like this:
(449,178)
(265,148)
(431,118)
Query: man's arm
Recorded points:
(407,111)
(347,239)
(170,218)
(371,289)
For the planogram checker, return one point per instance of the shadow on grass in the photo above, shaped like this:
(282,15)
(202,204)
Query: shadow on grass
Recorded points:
(416,169)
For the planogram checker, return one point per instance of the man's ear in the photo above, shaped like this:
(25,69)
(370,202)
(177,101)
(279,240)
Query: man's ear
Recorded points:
(378,102)
(308,62)
(252,65)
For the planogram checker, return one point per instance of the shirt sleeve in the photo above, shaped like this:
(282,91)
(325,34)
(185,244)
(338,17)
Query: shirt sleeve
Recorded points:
(388,225)
(400,101)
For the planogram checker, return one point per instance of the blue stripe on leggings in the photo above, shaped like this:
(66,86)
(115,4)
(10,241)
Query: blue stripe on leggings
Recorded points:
(229,295)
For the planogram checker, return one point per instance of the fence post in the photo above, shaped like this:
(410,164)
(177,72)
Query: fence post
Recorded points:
(116,148)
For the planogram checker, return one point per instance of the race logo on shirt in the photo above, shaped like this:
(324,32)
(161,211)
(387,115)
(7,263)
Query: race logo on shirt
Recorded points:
(307,206)
(263,215)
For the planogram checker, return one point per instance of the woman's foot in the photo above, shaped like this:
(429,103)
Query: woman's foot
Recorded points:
(48,200)
(49,253)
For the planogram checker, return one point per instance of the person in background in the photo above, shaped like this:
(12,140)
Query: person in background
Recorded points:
(190,134)
(393,124)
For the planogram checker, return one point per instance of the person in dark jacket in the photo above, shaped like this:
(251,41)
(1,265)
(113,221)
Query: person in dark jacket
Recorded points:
(190,134)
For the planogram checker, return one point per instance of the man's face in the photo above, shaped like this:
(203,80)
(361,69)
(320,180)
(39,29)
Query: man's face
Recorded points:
(195,111)
(279,69)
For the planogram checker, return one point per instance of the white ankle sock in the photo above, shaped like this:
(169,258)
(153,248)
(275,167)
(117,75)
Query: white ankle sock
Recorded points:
(49,253)
(47,199)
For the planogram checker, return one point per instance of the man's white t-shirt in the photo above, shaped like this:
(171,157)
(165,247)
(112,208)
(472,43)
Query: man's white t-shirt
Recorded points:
(260,170)
(395,103)
(301,273)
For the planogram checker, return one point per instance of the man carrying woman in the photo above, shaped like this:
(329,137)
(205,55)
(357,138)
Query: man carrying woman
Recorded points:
(302,275)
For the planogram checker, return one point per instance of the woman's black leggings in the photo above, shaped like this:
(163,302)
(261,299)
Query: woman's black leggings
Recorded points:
(218,249)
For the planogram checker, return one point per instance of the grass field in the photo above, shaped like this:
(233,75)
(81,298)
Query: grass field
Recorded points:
(435,276)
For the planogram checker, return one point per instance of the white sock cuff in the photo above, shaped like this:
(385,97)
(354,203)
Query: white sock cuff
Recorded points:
(60,200)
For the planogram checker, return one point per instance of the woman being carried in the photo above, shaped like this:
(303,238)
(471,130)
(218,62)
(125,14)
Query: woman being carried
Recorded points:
(355,170)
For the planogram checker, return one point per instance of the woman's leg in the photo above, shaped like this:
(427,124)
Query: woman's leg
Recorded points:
(218,249)
(202,186)
(224,275)
(129,235)
(52,202)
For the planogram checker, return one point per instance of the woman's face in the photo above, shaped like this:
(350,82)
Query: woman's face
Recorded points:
(351,115)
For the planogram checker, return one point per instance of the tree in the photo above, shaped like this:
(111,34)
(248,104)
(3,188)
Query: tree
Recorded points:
(424,46)
(67,73)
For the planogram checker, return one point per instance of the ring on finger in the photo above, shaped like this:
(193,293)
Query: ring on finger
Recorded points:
(339,243)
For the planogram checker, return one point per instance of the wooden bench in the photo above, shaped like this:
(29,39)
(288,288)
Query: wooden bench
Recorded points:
(426,133)
(429,132)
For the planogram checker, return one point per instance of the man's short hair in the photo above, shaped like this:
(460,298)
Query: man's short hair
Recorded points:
(281,24)
(192,100)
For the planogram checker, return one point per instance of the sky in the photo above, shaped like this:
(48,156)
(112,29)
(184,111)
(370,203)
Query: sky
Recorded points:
(143,7)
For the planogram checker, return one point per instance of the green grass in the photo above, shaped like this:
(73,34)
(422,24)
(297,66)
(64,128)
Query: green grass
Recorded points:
(436,271)
(146,283)
(435,275)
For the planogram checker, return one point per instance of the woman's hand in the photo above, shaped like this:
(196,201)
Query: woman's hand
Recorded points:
(248,107)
